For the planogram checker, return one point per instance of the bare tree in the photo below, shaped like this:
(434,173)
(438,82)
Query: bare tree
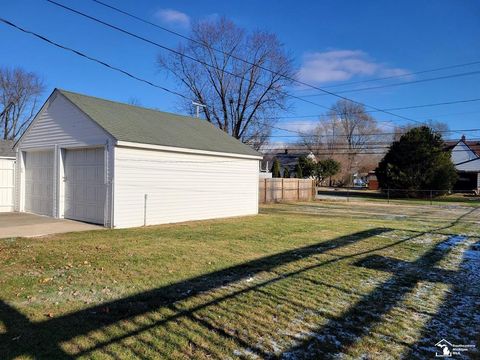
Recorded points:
(19,93)
(356,125)
(436,125)
(324,139)
(347,135)
(241,97)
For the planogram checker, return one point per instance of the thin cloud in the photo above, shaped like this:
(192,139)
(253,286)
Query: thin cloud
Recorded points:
(342,65)
(173,17)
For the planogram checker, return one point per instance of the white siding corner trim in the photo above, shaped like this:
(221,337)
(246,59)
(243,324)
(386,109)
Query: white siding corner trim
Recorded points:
(157,187)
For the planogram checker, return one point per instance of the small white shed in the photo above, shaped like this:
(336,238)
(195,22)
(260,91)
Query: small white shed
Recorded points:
(105,162)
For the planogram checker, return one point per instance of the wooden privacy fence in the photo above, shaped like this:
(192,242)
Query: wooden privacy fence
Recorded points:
(276,189)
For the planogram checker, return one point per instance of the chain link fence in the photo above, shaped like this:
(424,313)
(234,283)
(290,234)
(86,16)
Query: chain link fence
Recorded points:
(430,196)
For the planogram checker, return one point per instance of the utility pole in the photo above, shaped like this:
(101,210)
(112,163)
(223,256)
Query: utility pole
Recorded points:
(198,106)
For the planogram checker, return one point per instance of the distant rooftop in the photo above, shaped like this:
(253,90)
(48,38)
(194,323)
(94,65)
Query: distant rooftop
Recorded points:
(474,145)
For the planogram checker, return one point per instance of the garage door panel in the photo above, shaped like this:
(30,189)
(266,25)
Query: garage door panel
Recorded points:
(84,186)
(39,182)
(7,184)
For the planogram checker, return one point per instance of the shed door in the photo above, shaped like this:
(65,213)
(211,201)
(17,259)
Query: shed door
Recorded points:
(85,185)
(39,182)
(7,181)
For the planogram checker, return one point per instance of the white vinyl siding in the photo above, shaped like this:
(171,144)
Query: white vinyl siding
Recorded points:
(181,187)
(59,127)
(7,184)
(61,123)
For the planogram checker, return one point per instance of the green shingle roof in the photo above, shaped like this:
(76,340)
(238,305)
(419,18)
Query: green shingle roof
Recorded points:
(135,124)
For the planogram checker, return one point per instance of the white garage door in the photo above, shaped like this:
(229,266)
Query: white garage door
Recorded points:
(7,181)
(39,182)
(85,185)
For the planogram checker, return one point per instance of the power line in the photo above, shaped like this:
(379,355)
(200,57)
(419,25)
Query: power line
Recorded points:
(369,134)
(404,75)
(43,38)
(398,84)
(126,13)
(166,48)
(88,57)
(304,135)
(340,150)
(336,153)
(227,72)
(396,108)
(83,55)
(338,146)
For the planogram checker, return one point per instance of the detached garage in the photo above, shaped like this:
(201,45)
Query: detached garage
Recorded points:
(109,163)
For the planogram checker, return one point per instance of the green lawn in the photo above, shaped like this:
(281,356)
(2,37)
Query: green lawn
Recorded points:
(308,280)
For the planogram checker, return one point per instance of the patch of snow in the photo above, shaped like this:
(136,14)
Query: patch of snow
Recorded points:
(275,346)
(245,352)
(459,312)
(423,240)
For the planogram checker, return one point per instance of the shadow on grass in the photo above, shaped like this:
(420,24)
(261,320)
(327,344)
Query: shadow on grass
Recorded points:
(43,339)
(46,339)
(458,319)
(339,333)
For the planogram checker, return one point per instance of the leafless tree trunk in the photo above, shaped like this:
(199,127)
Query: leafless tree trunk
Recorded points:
(358,128)
(241,98)
(19,93)
(348,132)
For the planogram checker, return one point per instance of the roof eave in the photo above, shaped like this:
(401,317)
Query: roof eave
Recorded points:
(186,150)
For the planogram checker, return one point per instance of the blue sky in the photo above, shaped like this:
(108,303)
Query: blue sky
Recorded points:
(332,42)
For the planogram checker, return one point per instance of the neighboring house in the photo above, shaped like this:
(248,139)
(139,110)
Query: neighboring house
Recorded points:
(7,175)
(287,159)
(466,158)
(265,172)
(110,163)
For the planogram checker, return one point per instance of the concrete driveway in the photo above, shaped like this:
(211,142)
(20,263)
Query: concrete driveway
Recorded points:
(14,224)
